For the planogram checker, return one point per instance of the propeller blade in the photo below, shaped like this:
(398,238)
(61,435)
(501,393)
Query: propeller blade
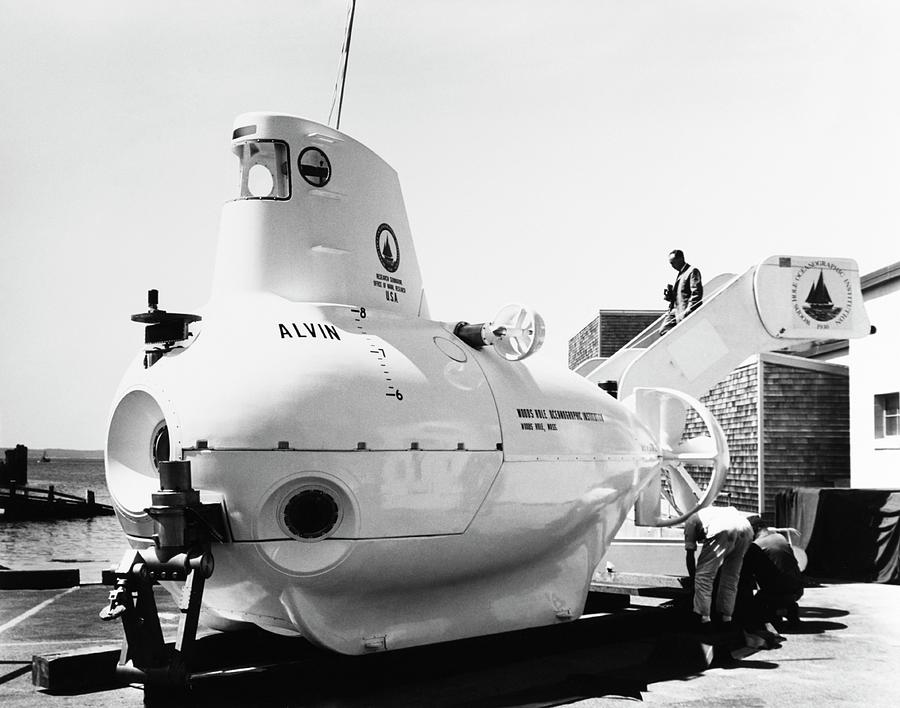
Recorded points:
(646,407)
(699,450)
(665,410)
(685,491)
(672,418)
(521,318)
(700,444)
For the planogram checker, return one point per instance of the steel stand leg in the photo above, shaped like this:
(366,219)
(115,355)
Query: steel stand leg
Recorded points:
(132,600)
(145,658)
(191,598)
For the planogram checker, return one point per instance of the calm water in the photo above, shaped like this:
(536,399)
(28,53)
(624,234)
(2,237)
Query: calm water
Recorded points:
(87,544)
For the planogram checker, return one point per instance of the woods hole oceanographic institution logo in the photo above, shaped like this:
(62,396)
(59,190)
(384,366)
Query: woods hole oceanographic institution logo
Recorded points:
(822,294)
(387,248)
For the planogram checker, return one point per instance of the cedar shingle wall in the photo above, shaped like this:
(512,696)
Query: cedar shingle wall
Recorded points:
(806,416)
(733,404)
(585,344)
(619,328)
(806,441)
(607,333)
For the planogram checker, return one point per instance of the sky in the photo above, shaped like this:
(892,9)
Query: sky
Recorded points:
(550,154)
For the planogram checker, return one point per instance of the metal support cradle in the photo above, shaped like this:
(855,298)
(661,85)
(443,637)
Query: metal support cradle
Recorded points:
(185,529)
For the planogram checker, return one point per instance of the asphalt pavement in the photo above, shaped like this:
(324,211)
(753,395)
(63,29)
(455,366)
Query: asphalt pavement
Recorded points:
(846,652)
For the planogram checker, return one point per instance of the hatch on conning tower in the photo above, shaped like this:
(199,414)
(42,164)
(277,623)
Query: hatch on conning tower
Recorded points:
(317,217)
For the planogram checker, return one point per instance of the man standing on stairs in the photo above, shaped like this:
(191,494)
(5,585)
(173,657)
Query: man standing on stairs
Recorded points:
(686,295)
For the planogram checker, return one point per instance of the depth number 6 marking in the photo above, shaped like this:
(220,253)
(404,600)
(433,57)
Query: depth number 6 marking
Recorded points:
(395,394)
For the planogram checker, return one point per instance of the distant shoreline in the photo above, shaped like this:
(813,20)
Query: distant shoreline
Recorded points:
(36,454)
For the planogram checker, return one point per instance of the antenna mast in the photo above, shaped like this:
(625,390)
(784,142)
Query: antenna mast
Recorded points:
(342,75)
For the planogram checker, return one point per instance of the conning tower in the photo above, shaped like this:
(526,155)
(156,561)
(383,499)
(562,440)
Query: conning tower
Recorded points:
(319,218)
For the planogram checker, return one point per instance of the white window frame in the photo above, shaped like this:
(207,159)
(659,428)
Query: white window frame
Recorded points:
(275,157)
(887,416)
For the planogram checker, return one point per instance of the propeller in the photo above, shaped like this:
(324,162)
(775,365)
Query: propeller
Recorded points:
(665,413)
(515,333)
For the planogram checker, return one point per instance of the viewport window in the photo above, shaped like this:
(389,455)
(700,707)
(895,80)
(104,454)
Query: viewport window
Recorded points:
(265,171)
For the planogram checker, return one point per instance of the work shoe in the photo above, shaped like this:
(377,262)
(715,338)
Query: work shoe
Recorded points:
(769,632)
(772,640)
(723,659)
(792,616)
(754,642)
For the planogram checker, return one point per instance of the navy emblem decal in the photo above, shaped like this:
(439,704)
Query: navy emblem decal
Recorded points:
(387,248)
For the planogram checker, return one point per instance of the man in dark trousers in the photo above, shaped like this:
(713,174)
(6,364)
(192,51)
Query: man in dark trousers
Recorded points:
(686,295)
(777,575)
(771,569)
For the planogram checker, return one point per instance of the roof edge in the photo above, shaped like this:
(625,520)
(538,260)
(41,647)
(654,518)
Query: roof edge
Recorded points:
(798,362)
(879,277)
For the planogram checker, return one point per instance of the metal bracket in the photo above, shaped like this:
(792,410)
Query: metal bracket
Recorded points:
(145,657)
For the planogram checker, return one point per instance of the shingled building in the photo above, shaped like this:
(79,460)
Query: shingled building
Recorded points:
(608,332)
(787,421)
(786,417)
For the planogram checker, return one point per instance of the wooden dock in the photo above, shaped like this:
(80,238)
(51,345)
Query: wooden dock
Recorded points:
(30,503)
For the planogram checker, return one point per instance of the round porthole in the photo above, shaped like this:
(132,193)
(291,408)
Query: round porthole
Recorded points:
(311,513)
(314,167)
(450,349)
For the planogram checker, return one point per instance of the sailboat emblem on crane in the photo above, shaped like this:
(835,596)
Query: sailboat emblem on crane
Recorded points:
(819,305)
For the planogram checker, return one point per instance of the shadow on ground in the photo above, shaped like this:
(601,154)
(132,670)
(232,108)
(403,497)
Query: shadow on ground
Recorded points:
(10,670)
(821,612)
(615,655)
(815,620)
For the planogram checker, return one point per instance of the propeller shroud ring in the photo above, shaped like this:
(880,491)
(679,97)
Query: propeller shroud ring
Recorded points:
(664,411)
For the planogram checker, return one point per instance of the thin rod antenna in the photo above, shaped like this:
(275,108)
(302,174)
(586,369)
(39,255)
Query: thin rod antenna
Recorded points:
(342,78)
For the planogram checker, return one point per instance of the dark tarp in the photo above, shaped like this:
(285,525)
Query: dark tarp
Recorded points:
(848,534)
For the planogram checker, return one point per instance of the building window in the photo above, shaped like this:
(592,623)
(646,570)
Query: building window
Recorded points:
(887,415)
